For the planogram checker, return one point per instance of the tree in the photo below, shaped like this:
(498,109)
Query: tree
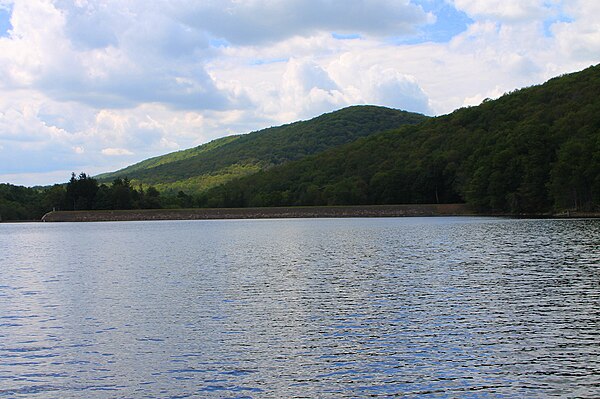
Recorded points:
(55,198)
(81,192)
(150,199)
(121,194)
(575,175)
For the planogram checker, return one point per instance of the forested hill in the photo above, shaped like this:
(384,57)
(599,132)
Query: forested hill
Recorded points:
(200,168)
(530,151)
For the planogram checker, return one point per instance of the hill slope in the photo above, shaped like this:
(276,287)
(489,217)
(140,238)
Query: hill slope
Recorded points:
(211,164)
(530,151)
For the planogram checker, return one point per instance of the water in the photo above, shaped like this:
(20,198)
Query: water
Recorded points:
(330,308)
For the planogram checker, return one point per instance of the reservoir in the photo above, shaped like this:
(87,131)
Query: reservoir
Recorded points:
(457,307)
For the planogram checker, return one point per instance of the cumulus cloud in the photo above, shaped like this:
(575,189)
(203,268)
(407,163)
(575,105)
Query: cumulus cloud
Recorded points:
(307,89)
(112,54)
(264,21)
(55,50)
(579,38)
(95,85)
(301,88)
(506,10)
(92,25)
(112,152)
(391,88)
(39,135)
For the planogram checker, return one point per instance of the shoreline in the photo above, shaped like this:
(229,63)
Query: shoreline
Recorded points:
(343,211)
(260,213)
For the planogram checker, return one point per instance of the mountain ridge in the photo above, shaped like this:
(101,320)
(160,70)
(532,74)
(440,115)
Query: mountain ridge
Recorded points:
(230,157)
(530,151)
(533,151)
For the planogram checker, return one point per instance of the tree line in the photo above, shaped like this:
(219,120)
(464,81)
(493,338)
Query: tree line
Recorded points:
(83,192)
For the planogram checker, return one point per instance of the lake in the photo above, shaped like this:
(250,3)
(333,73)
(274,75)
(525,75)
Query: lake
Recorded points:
(301,308)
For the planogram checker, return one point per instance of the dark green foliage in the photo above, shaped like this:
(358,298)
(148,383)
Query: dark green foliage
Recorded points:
(576,174)
(122,195)
(222,160)
(81,192)
(23,203)
(149,199)
(531,151)
(54,198)
(18,203)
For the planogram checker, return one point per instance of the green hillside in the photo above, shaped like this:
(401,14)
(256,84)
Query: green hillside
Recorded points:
(531,151)
(168,158)
(225,159)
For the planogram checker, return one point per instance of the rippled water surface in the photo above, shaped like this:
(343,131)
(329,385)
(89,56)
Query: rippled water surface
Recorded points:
(329,308)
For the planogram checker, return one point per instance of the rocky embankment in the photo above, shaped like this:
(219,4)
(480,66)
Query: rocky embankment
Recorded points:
(260,213)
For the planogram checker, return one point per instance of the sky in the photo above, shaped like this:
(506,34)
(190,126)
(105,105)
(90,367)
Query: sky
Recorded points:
(96,85)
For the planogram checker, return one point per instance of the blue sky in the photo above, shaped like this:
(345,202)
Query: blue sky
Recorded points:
(5,26)
(95,85)
(448,23)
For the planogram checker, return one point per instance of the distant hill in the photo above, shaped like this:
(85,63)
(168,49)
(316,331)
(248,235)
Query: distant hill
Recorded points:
(530,151)
(200,168)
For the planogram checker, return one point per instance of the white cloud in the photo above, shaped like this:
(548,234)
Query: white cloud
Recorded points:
(267,21)
(391,88)
(111,54)
(39,134)
(579,39)
(506,10)
(307,90)
(116,152)
(137,79)
(48,50)
(378,84)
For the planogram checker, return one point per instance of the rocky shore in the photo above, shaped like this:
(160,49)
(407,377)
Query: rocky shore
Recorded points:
(260,213)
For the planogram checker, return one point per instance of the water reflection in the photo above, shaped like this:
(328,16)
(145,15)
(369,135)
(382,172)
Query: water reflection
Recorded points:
(451,307)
